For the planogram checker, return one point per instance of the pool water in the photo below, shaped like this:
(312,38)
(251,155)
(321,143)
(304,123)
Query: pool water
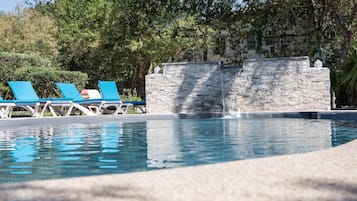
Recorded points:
(72,150)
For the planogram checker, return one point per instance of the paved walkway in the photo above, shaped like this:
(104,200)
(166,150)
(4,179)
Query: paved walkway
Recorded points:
(324,175)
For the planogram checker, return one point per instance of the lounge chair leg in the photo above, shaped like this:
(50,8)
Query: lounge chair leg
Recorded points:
(10,112)
(3,113)
(69,110)
(44,108)
(33,111)
(37,111)
(53,112)
(84,110)
(119,108)
(126,108)
(95,109)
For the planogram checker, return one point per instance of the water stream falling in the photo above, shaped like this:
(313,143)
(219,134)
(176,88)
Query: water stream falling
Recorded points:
(222,89)
(225,114)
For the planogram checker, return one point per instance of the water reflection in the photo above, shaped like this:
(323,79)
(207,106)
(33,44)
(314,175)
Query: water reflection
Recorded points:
(190,142)
(56,151)
(343,132)
(24,150)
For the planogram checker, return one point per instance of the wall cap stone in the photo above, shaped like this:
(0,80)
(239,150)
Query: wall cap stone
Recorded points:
(188,63)
(278,59)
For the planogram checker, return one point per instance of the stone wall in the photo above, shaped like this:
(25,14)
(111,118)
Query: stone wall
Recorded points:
(284,84)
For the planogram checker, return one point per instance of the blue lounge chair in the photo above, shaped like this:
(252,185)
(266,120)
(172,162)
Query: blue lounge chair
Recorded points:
(27,98)
(110,92)
(97,106)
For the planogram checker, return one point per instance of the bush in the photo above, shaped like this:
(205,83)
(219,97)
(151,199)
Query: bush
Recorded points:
(16,60)
(44,79)
(38,70)
(346,89)
(9,62)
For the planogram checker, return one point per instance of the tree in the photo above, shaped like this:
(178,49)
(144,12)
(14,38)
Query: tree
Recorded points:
(124,40)
(80,25)
(28,31)
(212,16)
(134,41)
(327,26)
(345,13)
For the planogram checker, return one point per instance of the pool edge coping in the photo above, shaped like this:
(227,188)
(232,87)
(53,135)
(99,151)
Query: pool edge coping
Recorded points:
(28,121)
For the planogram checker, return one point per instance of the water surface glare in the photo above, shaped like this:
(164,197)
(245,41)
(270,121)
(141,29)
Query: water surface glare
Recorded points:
(71,150)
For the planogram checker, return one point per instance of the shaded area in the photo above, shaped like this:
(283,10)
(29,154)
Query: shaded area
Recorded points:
(203,88)
(38,192)
(343,132)
(206,87)
(261,85)
(339,190)
(273,85)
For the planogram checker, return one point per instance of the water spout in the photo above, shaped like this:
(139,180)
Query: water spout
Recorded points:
(222,89)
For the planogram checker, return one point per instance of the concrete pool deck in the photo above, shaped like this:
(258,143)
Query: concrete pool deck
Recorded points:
(323,175)
(329,174)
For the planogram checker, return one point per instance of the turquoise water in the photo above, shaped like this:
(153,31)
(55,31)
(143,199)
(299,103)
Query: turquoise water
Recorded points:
(71,150)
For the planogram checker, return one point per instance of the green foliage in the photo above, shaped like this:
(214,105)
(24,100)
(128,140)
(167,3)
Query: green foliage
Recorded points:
(211,15)
(4,91)
(43,79)
(28,31)
(349,76)
(123,40)
(81,24)
(10,62)
(318,28)
(15,60)
(38,70)
(180,41)
(130,98)
(346,81)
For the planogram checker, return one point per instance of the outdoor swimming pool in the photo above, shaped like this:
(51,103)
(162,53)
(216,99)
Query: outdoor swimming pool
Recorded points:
(79,149)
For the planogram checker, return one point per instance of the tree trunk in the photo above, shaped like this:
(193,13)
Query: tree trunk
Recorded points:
(205,51)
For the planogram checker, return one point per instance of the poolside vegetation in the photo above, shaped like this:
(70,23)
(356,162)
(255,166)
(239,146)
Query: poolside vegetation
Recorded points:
(41,72)
(85,41)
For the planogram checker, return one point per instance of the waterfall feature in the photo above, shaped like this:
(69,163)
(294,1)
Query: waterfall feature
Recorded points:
(222,89)
(226,114)
(259,85)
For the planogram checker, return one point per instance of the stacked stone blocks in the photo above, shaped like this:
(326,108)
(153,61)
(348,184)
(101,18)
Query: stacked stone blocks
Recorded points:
(274,85)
